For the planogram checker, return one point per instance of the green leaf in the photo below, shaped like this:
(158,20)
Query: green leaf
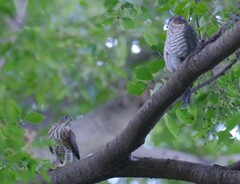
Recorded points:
(184,116)
(128,23)
(157,48)
(137,88)
(186,12)
(156,87)
(214,97)
(217,9)
(7,7)
(150,39)
(5,48)
(13,111)
(180,7)
(162,36)
(127,5)
(83,3)
(224,136)
(110,4)
(210,113)
(163,8)
(201,97)
(200,8)
(171,125)
(108,21)
(133,12)
(34,117)
(202,21)
(232,121)
(143,73)
(155,66)
(145,13)
(193,110)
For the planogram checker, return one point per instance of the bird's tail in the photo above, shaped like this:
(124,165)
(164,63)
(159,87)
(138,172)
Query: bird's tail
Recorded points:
(186,96)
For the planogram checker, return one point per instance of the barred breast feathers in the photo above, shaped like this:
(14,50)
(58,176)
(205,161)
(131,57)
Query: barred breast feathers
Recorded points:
(58,132)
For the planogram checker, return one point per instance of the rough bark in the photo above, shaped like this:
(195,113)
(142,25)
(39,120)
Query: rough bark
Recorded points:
(107,161)
(179,170)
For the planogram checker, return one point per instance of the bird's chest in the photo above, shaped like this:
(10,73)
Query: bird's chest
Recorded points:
(59,135)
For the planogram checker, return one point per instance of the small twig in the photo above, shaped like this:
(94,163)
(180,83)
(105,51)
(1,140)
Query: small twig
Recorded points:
(194,90)
(189,17)
(218,75)
(216,18)
(199,33)
(228,24)
(233,18)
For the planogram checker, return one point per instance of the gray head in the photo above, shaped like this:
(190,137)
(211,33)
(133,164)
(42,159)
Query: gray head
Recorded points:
(65,120)
(177,19)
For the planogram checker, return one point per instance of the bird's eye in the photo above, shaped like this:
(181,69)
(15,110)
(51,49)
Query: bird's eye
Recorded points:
(66,117)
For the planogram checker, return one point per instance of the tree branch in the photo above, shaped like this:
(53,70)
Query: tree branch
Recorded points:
(107,159)
(215,77)
(234,166)
(179,170)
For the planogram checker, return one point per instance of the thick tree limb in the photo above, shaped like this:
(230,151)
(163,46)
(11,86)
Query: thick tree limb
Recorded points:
(161,168)
(106,160)
(179,170)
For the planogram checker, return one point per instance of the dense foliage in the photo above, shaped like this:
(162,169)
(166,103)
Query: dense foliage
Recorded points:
(77,54)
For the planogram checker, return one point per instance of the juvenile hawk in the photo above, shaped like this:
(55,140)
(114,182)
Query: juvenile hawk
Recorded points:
(181,40)
(65,147)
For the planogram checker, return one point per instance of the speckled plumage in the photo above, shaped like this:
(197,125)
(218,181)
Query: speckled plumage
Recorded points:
(65,147)
(181,40)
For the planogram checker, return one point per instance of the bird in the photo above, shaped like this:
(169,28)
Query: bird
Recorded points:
(181,40)
(64,145)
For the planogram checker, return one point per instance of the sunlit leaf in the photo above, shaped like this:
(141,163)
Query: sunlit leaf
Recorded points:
(127,5)
(224,138)
(210,113)
(110,4)
(202,96)
(232,121)
(128,23)
(185,117)
(155,66)
(7,7)
(34,117)
(162,36)
(13,111)
(150,39)
(171,124)
(83,3)
(163,8)
(156,87)
(5,48)
(181,6)
(108,21)
(137,88)
(145,13)
(143,73)
(200,8)
(217,9)
(157,48)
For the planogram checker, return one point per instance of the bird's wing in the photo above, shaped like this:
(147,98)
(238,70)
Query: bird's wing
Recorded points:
(73,143)
(192,38)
